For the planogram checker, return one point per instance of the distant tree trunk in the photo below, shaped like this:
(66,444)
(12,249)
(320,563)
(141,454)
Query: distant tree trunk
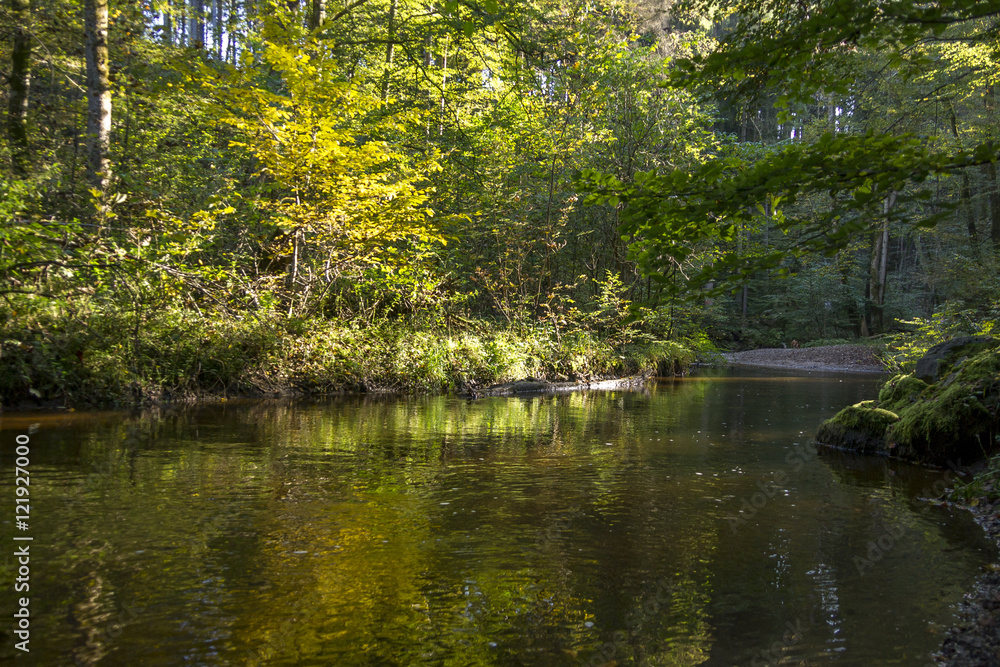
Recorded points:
(390,49)
(991,176)
(317,14)
(994,198)
(217,26)
(168,25)
(182,38)
(20,82)
(197,28)
(970,216)
(98,94)
(878,274)
(231,41)
(444,85)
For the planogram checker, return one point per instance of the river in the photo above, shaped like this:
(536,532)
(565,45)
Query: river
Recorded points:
(689,522)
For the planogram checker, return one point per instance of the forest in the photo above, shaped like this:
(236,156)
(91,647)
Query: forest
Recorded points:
(268,269)
(212,197)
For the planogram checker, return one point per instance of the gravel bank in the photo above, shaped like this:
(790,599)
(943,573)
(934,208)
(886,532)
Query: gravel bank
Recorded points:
(855,358)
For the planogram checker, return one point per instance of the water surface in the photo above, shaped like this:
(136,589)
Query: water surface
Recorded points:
(687,523)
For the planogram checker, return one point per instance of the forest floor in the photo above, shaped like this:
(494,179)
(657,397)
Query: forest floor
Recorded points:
(856,358)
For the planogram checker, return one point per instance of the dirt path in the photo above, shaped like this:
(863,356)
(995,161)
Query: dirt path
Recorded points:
(854,358)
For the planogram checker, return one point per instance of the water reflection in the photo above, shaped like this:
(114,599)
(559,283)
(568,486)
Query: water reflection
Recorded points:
(687,523)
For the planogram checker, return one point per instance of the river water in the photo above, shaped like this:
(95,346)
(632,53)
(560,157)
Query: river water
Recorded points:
(690,522)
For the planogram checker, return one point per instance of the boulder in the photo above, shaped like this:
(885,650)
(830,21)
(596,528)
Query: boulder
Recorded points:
(958,418)
(861,428)
(947,411)
(900,392)
(939,359)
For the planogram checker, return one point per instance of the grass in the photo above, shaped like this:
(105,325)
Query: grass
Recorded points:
(113,357)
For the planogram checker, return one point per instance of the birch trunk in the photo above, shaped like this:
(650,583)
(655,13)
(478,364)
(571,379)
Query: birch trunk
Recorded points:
(98,94)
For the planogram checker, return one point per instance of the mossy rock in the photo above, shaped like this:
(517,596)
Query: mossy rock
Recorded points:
(901,392)
(940,359)
(956,419)
(861,427)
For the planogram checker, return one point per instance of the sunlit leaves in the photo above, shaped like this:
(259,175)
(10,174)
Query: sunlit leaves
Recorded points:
(327,149)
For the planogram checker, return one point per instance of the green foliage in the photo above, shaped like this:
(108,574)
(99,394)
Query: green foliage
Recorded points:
(356,204)
(984,486)
(904,349)
(116,356)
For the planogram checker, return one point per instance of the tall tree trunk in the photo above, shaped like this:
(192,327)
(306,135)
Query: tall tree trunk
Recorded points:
(231,41)
(168,29)
(444,85)
(994,199)
(991,175)
(20,82)
(970,216)
(182,38)
(217,26)
(390,50)
(197,29)
(317,14)
(98,94)
(878,274)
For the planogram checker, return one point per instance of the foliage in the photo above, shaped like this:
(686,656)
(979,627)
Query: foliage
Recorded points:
(956,418)
(985,485)
(412,175)
(81,358)
(904,349)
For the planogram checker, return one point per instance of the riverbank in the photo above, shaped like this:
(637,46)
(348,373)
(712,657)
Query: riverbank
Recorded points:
(850,358)
(975,640)
(101,360)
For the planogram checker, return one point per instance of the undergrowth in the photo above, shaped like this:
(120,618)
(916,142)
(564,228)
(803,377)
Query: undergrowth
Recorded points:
(122,357)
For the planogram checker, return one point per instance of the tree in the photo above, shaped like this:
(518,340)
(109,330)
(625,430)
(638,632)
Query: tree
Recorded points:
(20,80)
(340,192)
(98,94)
(800,54)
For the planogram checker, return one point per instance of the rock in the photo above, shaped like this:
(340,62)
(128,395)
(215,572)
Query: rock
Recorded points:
(954,420)
(860,428)
(900,392)
(940,358)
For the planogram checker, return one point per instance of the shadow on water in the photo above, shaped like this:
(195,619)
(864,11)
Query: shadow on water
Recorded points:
(690,522)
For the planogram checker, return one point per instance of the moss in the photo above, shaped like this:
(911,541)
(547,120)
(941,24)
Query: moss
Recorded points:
(943,357)
(954,419)
(860,427)
(900,392)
